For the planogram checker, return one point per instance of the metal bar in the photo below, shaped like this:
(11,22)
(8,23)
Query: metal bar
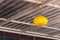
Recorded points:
(34,25)
(25,32)
(28,24)
(57,6)
(33,1)
(39,1)
(3,19)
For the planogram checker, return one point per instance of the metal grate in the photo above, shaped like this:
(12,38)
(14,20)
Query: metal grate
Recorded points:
(16,16)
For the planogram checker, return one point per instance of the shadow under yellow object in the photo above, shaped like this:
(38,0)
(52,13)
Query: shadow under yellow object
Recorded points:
(40,20)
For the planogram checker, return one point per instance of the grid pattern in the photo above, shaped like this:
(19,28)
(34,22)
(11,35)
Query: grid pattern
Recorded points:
(22,14)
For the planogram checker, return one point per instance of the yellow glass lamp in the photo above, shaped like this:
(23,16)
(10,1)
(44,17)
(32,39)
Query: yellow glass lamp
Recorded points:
(40,20)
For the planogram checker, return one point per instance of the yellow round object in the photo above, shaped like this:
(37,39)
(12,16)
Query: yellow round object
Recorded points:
(40,20)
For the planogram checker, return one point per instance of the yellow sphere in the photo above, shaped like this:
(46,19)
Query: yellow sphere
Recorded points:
(40,20)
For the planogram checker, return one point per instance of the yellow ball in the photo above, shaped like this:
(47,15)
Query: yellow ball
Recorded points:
(40,20)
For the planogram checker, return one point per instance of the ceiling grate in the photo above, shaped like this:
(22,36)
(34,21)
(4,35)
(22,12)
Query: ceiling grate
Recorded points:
(18,16)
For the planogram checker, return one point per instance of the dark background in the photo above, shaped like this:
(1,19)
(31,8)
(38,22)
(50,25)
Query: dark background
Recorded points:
(19,36)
